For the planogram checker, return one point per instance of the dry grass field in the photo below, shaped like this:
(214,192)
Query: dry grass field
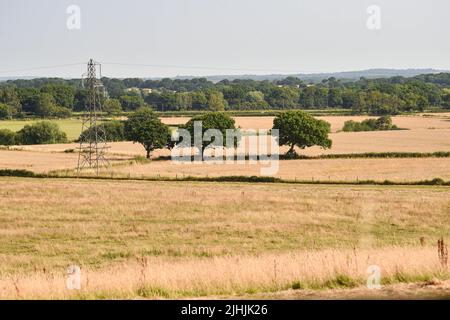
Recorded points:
(398,170)
(413,122)
(428,133)
(181,239)
(162,239)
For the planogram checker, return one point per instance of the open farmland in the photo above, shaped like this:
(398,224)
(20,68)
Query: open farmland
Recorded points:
(168,239)
(426,134)
(398,170)
(117,232)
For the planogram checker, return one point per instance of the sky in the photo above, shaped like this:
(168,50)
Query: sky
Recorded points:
(165,38)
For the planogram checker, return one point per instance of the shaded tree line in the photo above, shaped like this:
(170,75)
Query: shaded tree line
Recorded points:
(52,97)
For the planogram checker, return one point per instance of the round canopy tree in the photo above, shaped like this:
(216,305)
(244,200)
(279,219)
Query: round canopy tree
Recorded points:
(144,127)
(217,121)
(298,128)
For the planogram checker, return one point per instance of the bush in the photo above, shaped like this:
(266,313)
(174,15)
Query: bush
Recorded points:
(380,124)
(5,111)
(43,132)
(61,112)
(114,130)
(7,137)
(16,173)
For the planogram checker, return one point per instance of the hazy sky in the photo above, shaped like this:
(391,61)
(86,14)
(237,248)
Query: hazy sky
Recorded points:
(186,37)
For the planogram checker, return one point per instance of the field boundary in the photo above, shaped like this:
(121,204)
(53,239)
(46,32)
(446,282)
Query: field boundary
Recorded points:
(365,155)
(242,179)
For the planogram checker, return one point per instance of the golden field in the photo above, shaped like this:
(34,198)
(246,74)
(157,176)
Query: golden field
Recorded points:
(426,134)
(398,170)
(413,122)
(393,169)
(177,239)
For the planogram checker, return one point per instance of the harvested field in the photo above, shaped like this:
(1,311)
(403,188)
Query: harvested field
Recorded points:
(314,235)
(393,169)
(412,122)
(39,162)
(399,170)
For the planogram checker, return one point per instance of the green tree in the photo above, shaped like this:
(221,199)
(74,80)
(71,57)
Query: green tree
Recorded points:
(80,100)
(45,105)
(43,132)
(334,98)
(112,106)
(254,100)
(5,111)
(144,127)
(216,102)
(114,130)
(183,101)
(7,137)
(283,97)
(216,121)
(9,96)
(298,128)
(199,100)
(131,101)
(62,94)
(307,97)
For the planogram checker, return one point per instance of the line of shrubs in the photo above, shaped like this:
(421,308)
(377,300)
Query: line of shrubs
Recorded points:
(437,154)
(250,179)
(380,124)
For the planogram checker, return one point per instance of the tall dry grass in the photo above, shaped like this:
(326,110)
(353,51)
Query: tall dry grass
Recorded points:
(232,275)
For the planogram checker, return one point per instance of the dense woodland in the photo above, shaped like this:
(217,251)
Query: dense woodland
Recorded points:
(54,97)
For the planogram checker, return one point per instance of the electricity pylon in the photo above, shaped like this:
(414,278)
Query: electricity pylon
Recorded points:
(93,144)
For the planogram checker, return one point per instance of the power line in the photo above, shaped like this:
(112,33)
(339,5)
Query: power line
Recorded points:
(200,67)
(43,67)
(155,66)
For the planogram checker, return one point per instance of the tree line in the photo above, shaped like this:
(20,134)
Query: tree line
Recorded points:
(53,97)
(296,129)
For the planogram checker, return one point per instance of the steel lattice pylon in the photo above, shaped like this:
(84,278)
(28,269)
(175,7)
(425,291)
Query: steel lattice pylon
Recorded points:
(93,144)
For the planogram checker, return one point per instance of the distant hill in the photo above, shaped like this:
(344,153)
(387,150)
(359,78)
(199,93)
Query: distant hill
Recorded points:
(317,77)
(16,78)
(308,77)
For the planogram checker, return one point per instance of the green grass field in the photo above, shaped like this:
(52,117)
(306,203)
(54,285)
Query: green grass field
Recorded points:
(72,127)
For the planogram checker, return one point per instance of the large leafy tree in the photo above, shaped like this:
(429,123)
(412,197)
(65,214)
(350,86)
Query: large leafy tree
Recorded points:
(213,120)
(144,127)
(298,128)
